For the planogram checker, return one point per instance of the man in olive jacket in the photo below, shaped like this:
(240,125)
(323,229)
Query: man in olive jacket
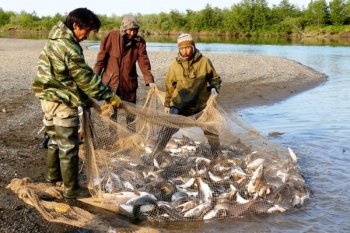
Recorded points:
(63,83)
(190,80)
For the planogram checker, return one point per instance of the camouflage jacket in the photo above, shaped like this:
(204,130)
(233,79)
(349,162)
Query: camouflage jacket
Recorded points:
(188,83)
(63,75)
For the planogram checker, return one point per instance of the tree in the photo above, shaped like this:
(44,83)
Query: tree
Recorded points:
(337,12)
(243,15)
(260,15)
(5,17)
(317,13)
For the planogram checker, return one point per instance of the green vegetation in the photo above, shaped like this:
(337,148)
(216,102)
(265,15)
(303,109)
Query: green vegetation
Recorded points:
(248,17)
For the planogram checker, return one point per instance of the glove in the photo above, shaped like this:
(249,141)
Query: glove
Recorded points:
(167,110)
(152,85)
(115,101)
(213,91)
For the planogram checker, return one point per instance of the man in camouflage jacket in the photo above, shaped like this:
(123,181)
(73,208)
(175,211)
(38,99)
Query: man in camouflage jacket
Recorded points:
(63,83)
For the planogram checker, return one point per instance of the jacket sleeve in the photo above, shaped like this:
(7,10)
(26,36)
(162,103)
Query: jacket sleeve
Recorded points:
(102,55)
(84,77)
(145,64)
(170,85)
(214,78)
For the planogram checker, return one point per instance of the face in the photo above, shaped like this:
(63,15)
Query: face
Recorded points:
(130,33)
(80,34)
(186,52)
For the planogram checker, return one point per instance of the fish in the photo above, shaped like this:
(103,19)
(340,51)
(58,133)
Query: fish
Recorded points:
(198,211)
(188,148)
(165,209)
(140,194)
(186,206)
(216,178)
(240,199)
(186,185)
(275,133)
(255,180)
(204,190)
(143,206)
(255,163)
(282,175)
(238,209)
(293,156)
(217,209)
(265,207)
(113,183)
(126,210)
(178,196)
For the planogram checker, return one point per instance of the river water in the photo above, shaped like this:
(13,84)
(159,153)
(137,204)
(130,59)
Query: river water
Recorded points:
(316,125)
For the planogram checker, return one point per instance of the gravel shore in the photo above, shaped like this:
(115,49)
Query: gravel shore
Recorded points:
(248,80)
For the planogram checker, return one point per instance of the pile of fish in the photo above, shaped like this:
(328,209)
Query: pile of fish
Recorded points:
(184,182)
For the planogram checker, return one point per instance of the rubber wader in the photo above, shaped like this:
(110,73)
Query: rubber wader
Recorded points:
(52,159)
(68,144)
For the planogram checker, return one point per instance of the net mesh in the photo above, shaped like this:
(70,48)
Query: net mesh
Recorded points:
(213,166)
(193,177)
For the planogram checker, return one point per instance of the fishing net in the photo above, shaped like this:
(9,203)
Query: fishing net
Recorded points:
(213,166)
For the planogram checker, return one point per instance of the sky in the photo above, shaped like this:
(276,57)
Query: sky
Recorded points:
(119,8)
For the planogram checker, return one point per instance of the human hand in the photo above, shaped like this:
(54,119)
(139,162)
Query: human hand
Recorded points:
(213,91)
(167,110)
(152,85)
(115,101)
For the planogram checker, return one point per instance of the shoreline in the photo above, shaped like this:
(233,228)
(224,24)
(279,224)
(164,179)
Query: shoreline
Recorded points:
(247,80)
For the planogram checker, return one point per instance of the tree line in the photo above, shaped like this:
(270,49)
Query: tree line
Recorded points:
(248,17)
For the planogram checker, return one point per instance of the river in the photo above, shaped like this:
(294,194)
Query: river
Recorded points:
(316,125)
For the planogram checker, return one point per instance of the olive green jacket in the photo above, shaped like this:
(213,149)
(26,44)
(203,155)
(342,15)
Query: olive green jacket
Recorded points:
(188,83)
(63,75)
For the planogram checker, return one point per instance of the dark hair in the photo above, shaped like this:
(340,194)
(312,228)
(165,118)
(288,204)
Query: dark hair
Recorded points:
(84,18)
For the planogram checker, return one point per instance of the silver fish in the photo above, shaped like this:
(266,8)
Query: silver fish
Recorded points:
(204,190)
(186,185)
(113,183)
(255,180)
(186,206)
(215,178)
(293,155)
(198,211)
(255,163)
(240,199)
(217,208)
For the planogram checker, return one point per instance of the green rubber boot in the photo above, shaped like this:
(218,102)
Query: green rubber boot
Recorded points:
(67,140)
(52,159)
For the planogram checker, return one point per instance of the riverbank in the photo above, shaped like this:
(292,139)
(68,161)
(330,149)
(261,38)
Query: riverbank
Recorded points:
(247,81)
